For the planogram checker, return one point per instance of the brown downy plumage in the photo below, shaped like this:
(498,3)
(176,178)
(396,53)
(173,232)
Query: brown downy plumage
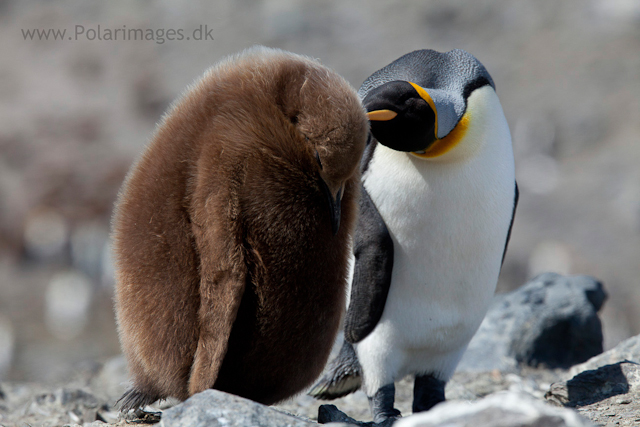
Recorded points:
(231,267)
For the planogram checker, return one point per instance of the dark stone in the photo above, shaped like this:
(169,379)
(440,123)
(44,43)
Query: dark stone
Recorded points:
(550,321)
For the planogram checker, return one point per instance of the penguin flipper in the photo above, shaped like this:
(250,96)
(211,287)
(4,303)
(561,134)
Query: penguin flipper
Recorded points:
(223,274)
(220,300)
(373,250)
(343,376)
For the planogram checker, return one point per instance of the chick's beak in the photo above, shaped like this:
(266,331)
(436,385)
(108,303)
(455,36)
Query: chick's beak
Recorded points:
(335,202)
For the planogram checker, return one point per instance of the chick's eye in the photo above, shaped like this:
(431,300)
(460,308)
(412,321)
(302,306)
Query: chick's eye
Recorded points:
(318,160)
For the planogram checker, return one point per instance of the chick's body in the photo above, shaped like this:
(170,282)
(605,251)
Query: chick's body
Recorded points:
(229,274)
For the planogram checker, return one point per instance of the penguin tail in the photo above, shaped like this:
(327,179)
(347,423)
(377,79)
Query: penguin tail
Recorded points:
(134,399)
(342,377)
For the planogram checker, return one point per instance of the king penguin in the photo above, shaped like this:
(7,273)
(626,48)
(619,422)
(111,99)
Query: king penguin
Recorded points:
(435,218)
(232,232)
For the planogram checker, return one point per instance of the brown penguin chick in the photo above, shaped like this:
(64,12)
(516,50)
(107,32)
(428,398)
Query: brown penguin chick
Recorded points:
(231,233)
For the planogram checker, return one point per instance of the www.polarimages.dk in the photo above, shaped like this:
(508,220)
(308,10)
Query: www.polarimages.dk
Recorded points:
(158,35)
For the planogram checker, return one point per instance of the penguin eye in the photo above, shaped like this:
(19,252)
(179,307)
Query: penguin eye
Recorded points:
(318,160)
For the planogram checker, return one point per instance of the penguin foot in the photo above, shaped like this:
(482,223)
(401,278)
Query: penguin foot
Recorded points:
(343,376)
(331,414)
(428,391)
(381,404)
(134,399)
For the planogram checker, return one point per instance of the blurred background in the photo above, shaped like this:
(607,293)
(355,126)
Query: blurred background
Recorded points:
(75,113)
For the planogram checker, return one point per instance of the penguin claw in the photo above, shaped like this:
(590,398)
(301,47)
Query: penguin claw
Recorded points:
(331,414)
(134,399)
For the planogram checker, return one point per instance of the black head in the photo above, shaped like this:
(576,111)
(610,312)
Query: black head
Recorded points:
(427,91)
(400,117)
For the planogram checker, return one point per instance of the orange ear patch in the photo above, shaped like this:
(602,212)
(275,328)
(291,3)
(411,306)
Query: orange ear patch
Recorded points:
(425,95)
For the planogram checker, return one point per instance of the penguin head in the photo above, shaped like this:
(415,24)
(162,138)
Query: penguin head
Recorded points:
(400,117)
(418,103)
(328,115)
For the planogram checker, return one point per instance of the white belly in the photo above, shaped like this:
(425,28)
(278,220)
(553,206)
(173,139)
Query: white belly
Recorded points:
(449,221)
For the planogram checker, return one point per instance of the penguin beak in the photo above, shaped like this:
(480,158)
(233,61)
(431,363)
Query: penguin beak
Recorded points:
(335,202)
(381,115)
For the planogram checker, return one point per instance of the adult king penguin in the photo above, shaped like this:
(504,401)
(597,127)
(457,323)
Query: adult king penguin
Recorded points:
(232,232)
(435,220)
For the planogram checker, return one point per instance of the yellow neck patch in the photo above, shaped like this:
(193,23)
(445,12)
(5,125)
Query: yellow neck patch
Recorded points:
(444,145)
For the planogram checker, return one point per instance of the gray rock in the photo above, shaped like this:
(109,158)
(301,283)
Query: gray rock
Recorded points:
(476,385)
(33,405)
(606,389)
(216,408)
(497,410)
(551,320)
(596,385)
(626,350)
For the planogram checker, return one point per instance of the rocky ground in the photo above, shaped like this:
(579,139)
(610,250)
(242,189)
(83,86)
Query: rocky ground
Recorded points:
(497,388)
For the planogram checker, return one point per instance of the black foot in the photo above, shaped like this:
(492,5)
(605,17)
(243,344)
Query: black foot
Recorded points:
(381,404)
(134,399)
(343,376)
(331,414)
(428,391)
